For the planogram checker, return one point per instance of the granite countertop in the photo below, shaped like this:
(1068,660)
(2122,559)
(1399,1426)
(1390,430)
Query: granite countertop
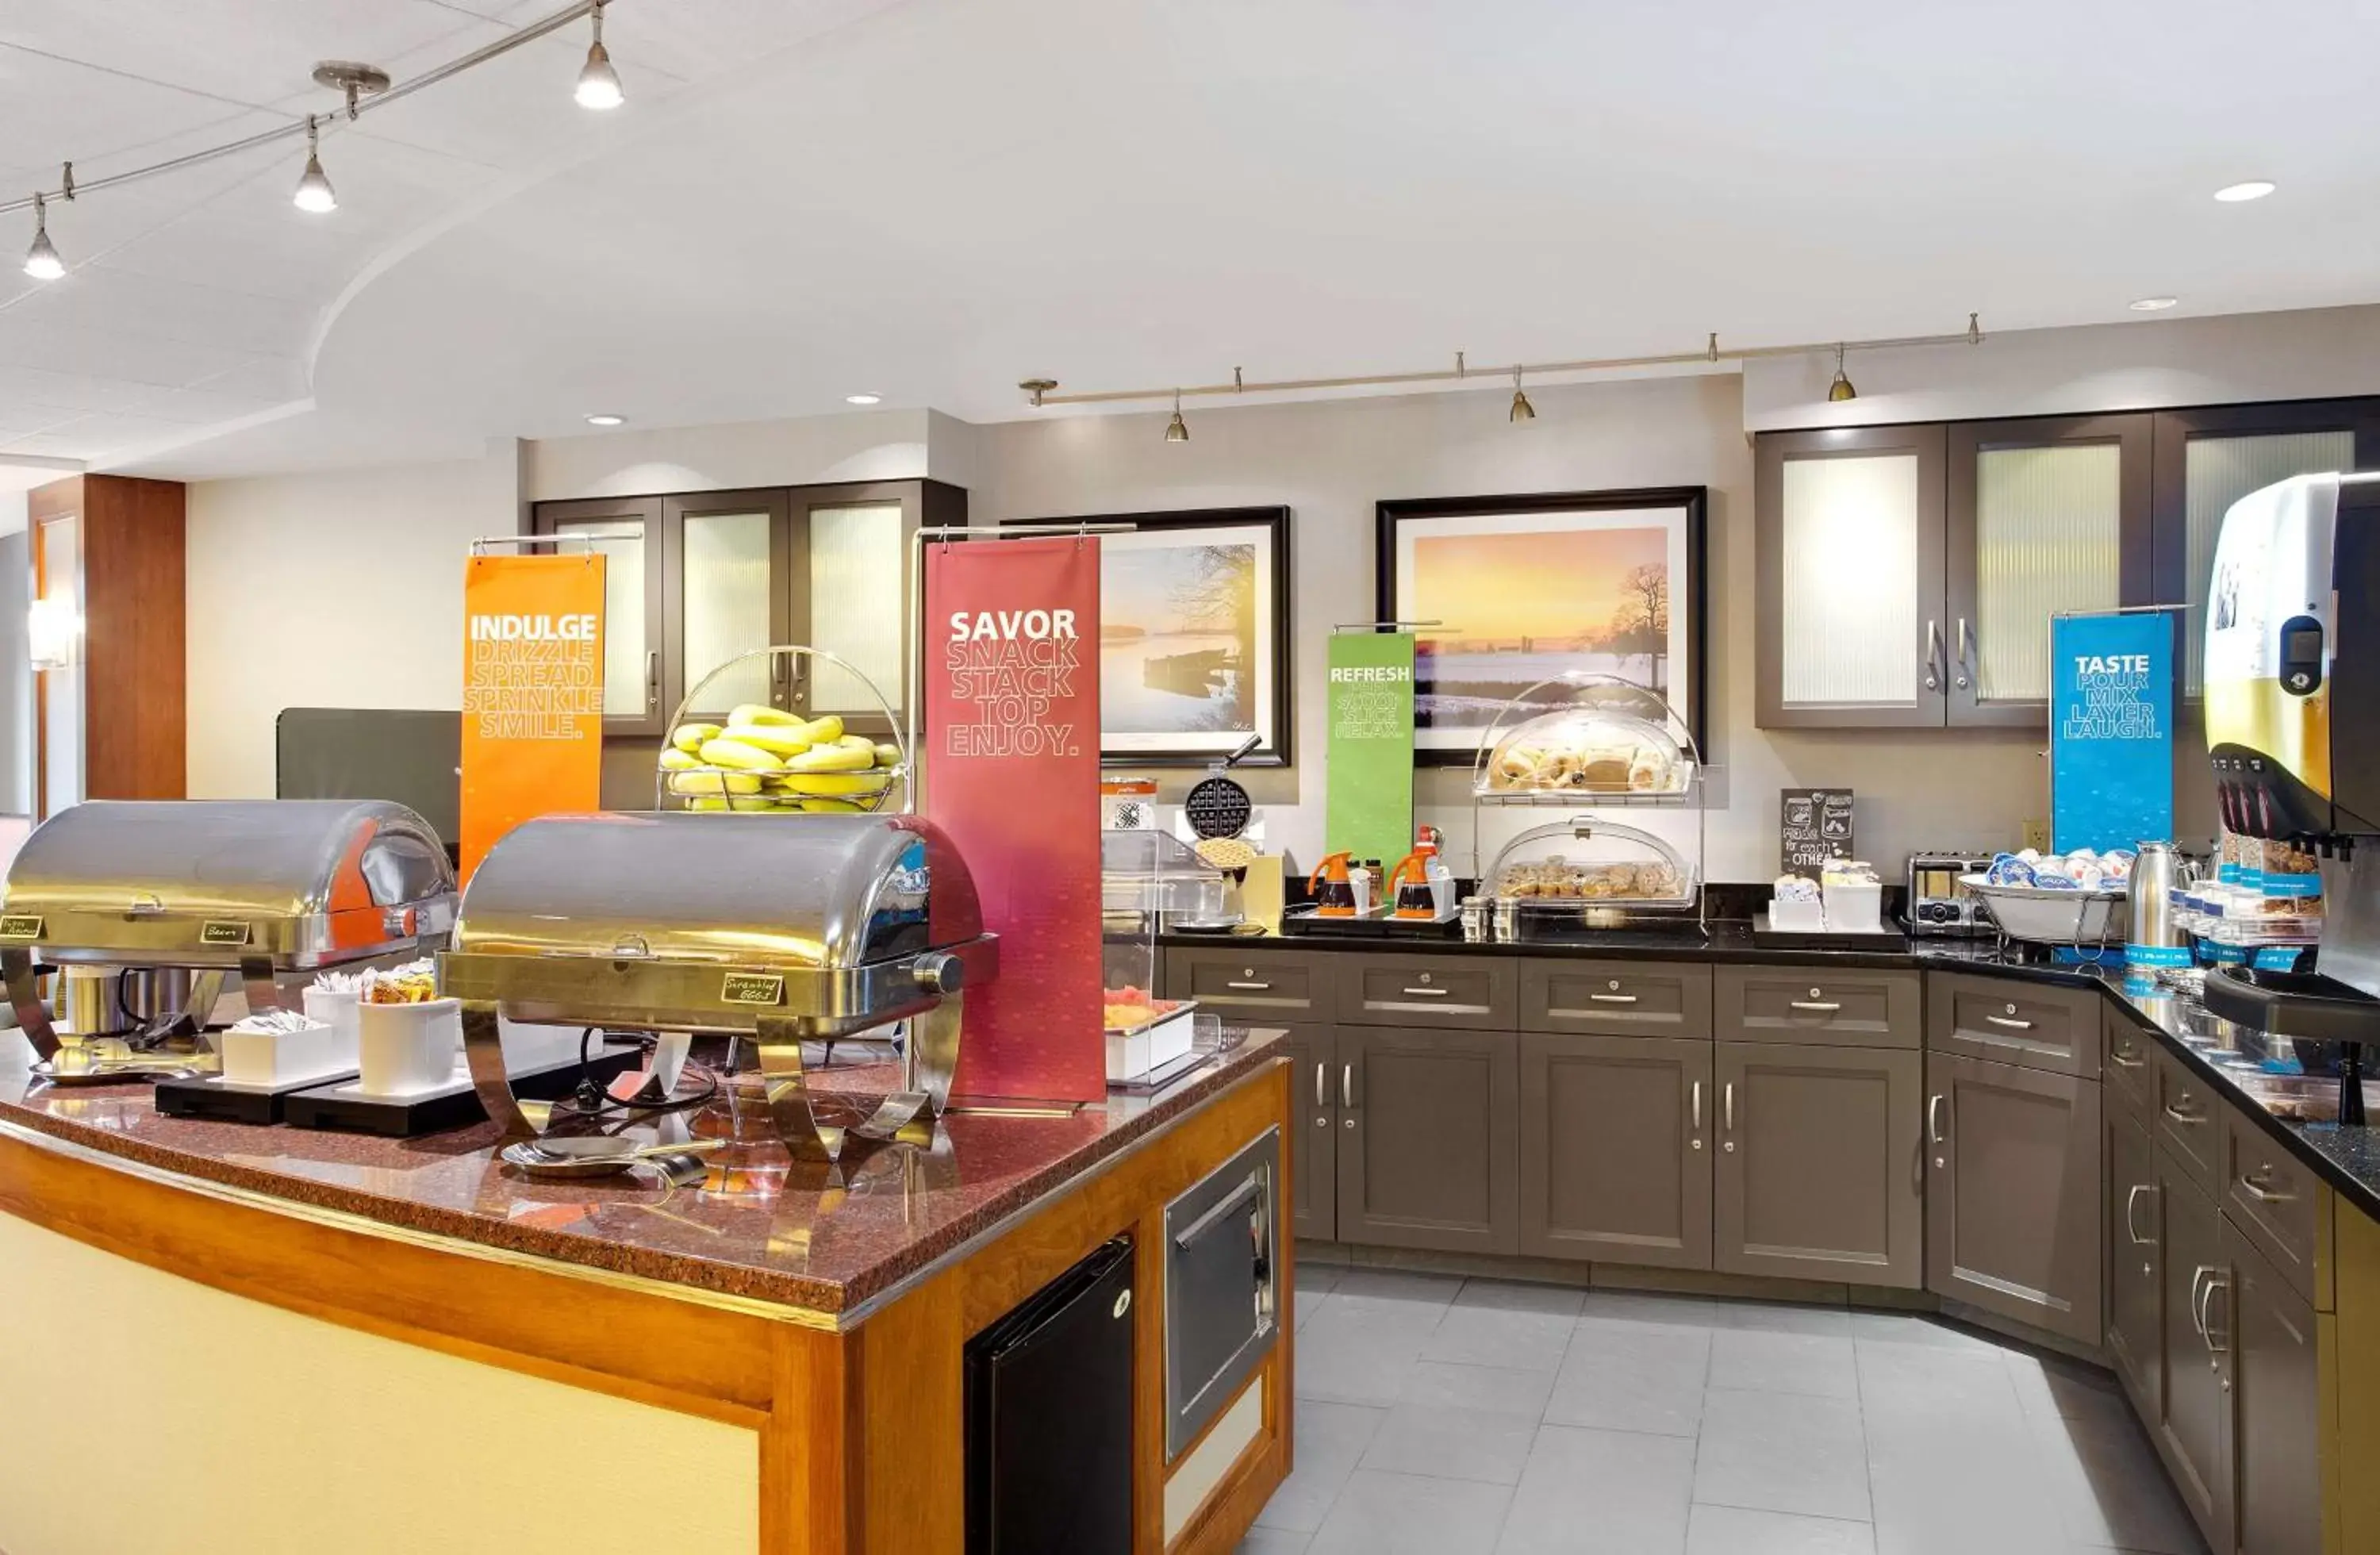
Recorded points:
(2229,1057)
(761,1226)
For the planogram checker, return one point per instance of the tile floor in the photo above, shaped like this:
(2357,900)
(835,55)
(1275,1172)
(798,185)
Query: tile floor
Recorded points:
(1480,1417)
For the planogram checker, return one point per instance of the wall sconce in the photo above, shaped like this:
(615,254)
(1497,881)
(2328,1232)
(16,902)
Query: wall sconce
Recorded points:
(52,633)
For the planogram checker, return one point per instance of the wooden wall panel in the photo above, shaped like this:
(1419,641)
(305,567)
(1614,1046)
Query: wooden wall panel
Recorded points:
(134,656)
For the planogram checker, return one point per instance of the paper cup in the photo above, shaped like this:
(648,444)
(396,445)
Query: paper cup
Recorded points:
(408,1048)
(337,1011)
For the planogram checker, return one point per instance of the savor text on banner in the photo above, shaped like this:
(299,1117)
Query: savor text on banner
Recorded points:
(1012,717)
(532,693)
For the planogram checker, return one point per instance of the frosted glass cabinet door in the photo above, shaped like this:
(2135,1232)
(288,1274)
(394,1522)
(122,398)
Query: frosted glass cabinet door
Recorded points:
(2208,459)
(627,532)
(850,570)
(728,551)
(2049,517)
(1851,620)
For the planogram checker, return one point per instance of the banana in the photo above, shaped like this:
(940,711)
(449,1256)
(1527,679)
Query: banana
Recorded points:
(777,739)
(830,759)
(832,783)
(689,736)
(714,782)
(832,807)
(676,760)
(824,731)
(737,754)
(859,742)
(706,804)
(888,755)
(750,802)
(754,712)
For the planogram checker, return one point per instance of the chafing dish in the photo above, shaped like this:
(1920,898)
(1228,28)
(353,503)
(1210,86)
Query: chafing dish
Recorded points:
(259,887)
(815,928)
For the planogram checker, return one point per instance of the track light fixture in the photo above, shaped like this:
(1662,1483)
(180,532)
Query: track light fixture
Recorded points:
(314,193)
(1840,389)
(42,261)
(1522,409)
(599,84)
(1177,430)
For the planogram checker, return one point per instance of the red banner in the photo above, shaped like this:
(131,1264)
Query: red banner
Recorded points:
(532,693)
(1012,724)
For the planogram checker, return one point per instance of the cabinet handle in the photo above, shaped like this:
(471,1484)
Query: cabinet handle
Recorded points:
(2215,1281)
(1347,1085)
(1933,654)
(2131,1228)
(1249,987)
(776,669)
(1608,998)
(1727,1104)
(1321,1084)
(1934,1119)
(1428,993)
(1965,663)
(1697,1106)
(2011,1022)
(1818,1006)
(2119,1057)
(2177,1115)
(2258,1190)
(653,681)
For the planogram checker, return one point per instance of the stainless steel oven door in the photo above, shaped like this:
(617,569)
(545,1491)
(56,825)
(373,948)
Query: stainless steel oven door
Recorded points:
(1222,1258)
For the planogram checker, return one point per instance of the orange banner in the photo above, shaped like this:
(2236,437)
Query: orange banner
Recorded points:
(532,693)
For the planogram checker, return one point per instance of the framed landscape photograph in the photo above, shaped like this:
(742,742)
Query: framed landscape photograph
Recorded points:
(1528,587)
(1194,635)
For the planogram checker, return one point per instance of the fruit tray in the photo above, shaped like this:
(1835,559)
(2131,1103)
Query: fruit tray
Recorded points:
(765,759)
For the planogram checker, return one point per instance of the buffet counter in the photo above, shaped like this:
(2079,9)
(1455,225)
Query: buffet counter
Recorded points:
(771,1360)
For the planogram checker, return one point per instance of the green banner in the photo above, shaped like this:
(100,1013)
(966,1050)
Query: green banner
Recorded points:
(1371,812)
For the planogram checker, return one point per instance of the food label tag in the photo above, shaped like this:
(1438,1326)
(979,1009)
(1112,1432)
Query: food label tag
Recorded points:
(753,988)
(24,927)
(221,932)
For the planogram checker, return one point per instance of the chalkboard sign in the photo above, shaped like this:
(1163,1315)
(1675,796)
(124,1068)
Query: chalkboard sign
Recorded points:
(1814,825)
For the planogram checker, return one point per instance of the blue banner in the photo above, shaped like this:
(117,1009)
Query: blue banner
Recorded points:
(2110,730)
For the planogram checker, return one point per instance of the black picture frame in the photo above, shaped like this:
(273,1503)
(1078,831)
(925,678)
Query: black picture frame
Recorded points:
(1689,504)
(1271,526)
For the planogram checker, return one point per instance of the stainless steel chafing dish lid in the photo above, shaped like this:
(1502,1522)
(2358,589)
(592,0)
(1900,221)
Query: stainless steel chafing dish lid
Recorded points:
(301,883)
(699,921)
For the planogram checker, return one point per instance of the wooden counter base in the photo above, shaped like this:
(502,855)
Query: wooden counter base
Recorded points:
(859,1428)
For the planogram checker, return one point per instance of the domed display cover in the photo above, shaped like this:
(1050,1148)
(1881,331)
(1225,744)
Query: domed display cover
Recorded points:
(1589,750)
(1587,863)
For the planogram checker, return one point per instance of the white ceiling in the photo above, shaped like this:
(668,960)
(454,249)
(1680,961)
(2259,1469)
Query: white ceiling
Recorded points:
(933,199)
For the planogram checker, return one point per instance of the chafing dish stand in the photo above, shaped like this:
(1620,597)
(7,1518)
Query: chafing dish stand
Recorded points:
(789,929)
(262,888)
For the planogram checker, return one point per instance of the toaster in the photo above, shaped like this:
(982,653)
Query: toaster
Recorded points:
(1938,903)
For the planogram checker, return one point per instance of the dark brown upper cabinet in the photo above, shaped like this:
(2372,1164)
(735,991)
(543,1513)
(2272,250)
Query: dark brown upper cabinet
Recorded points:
(2049,517)
(1849,532)
(695,580)
(2205,460)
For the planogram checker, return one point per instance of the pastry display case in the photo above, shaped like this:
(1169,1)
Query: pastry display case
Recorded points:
(1587,871)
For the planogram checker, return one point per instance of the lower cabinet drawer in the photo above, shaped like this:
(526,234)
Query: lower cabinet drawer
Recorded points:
(1806,1004)
(2127,1068)
(2188,1121)
(1616,998)
(1473,992)
(2002,1020)
(2278,1204)
(1287,985)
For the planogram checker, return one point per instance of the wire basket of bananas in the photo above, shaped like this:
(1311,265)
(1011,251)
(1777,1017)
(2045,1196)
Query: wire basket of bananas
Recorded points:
(767,759)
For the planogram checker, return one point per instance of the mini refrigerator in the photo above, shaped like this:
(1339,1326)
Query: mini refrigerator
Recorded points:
(1049,1417)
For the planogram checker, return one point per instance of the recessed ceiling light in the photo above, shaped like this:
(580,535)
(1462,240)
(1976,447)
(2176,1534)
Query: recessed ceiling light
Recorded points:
(2153,304)
(2255,189)
(863,399)
(605,418)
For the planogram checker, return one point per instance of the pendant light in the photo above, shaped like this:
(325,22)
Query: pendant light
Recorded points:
(1177,430)
(314,193)
(1522,409)
(599,84)
(42,261)
(1840,389)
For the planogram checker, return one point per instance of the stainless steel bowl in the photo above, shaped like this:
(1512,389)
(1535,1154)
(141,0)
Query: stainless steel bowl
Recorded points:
(2047,916)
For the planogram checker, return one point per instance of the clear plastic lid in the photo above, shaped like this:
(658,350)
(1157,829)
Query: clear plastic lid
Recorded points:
(1585,862)
(1589,750)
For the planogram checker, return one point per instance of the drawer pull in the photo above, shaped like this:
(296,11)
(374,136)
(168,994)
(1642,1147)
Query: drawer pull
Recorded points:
(2177,1115)
(1613,998)
(2119,1057)
(2259,1191)
(2011,1022)
(1428,993)
(1818,1006)
(1933,1118)
(1250,988)
(2132,1200)
(1246,1194)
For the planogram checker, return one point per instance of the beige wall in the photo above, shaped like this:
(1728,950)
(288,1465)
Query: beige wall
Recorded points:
(869,446)
(338,590)
(1331,462)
